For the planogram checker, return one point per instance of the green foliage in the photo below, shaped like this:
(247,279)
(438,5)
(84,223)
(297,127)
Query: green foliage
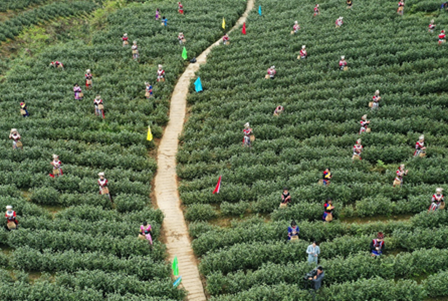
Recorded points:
(200,212)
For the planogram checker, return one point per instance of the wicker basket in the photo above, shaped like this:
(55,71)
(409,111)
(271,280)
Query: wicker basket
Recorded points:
(11,225)
(371,104)
(397,183)
(329,217)
(252,138)
(283,205)
(19,144)
(295,237)
(80,95)
(104,190)
(267,76)
(100,107)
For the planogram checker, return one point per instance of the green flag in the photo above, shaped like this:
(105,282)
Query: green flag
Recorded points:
(184,53)
(175,265)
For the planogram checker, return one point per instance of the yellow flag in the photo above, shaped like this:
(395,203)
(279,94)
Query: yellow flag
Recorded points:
(149,137)
(223,23)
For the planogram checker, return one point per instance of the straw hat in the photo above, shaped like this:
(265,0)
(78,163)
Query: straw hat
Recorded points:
(160,66)
(125,34)
(101,174)
(135,42)
(439,190)
(317,5)
(364,117)
(55,156)
(422,137)
(98,97)
(340,18)
(272,67)
(303,46)
(13,130)
(432,21)
(246,125)
(377,92)
(8,207)
(358,141)
(88,71)
(295,22)
(342,57)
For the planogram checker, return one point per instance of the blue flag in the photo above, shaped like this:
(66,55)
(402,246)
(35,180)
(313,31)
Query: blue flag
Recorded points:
(198,85)
(259,10)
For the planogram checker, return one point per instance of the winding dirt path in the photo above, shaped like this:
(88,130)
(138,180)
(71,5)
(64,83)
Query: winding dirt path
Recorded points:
(167,197)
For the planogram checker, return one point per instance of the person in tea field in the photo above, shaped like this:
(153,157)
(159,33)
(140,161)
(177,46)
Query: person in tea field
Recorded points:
(293,231)
(437,200)
(442,37)
(15,137)
(327,175)
(102,183)
(78,92)
(444,6)
(88,76)
(225,39)
(339,22)
(357,150)
(420,149)
(135,50)
(303,53)
(160,74)
(56,163)
(157,14)
(376,100)
(125,39)
(180,8)
(11,217)
(328,211)
(278,110)
(431,26)
(145,232)
(247,133)
(313,252)
(296,27)
(343,64)
(271,72)
(286,197)
(148,90)
(57,64)
(99,106)
(164,21)
(401,172)
(377,245)
(349,4)
(317,278)
(181,38)
(24,110)
(400,9)
(316,10)
(364,124)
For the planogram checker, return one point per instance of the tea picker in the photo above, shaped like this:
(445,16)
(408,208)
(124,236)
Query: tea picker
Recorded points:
(145,232)
(24,110)
(286,197)
(78,92)
(57,170)
(375,103)
(343,64)
(57,64)
(181,38)
(377,245)
(400,9)
(88,76)
(339,22)
(364,125)
(102,183)
(420,149)
(431,26)
(293,231)
(278,110)
(11,218)
(303,53)
(248,137)
(442,37)
(316,10)
(15,136)
(328,211)
(313,252)
(401,172)
(157,14)
(99,106)
(357,150)
(295,28)
(271,73)
(437,201)
(125,39)
(160,74)
(180,8)
(148,90)
(326,177)
(349,4)
(135,50)
(225,39)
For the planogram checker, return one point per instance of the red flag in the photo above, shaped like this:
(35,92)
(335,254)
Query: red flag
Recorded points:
(244,28)
(218,186)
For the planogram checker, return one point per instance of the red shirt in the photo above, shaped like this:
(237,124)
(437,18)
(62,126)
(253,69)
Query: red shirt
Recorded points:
(342,63)
(442,36)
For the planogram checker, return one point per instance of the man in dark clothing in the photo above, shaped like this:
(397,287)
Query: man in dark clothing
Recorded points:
(317,279)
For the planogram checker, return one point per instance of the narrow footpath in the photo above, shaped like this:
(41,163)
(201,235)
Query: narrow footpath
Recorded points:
(167,197)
